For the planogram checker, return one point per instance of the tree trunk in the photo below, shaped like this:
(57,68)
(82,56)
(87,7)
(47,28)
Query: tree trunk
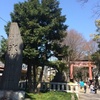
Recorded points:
(41,74)
(29,76)
(40,80)
(34,77)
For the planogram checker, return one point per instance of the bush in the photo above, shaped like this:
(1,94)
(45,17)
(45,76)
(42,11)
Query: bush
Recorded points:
(53,95)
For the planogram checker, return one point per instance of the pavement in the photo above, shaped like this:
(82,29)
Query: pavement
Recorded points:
(88,95)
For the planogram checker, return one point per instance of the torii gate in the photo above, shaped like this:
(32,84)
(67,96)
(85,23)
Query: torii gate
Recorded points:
(88,64)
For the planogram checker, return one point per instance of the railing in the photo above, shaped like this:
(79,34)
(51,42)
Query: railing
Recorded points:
(73,88)
(54,86)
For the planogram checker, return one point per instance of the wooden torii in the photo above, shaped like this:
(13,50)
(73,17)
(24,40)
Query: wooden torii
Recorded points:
(88,64)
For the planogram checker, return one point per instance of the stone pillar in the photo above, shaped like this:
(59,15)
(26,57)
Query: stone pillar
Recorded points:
(13,60)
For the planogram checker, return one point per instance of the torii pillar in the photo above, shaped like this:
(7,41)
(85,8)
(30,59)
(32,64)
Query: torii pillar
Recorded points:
(71,71)
(90,71)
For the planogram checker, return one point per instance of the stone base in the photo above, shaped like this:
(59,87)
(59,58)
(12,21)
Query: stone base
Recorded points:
(11,95)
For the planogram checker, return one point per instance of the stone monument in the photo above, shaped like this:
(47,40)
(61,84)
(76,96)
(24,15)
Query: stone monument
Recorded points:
(13,60)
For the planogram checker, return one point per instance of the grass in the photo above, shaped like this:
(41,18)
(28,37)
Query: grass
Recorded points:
(54,95)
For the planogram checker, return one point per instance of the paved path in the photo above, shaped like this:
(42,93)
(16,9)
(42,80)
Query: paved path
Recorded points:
(89,96)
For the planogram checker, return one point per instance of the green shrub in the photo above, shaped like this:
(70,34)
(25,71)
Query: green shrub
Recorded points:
(53,95)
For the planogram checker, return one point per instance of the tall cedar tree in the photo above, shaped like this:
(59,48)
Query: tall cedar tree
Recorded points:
(42,29)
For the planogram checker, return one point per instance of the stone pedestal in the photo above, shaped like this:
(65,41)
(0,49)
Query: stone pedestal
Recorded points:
(11,95)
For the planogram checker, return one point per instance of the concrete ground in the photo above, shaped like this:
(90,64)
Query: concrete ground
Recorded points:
(88,95)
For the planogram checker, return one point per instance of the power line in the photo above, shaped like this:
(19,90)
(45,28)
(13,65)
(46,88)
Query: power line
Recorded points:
(3,19)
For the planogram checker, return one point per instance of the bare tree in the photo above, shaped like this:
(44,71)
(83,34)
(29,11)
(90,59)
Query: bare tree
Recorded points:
(83,1)
(95,9)
(93,46)
(76,43)
(79,47)
(90,48)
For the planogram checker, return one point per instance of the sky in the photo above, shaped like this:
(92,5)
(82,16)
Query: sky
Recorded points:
(78,17)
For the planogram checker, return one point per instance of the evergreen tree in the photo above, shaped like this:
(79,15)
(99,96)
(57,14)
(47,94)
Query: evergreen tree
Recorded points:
(42,29)
(3,49)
